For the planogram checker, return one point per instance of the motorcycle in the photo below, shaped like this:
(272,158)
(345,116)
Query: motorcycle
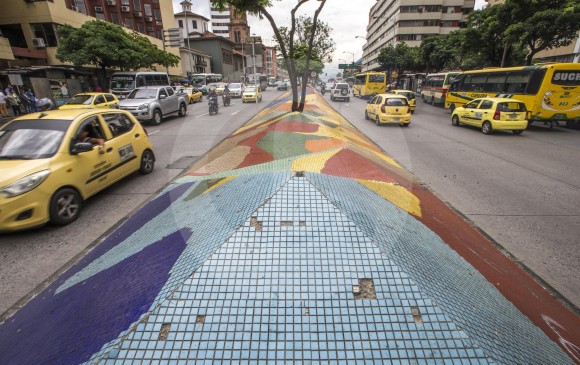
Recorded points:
(226,99)
(213,105)
(323,90)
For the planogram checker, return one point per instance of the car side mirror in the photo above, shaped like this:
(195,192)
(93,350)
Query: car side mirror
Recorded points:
(81,147)
(368,102)
(162,97)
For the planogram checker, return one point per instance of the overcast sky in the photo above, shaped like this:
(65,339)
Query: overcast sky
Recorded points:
(347,21)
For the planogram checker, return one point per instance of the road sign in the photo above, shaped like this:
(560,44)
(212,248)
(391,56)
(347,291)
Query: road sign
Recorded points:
(342,66)
(353,65)
(173,38)
(313,74)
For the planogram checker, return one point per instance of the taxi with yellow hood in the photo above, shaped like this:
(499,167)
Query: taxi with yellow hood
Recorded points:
(91,100)
(51,162)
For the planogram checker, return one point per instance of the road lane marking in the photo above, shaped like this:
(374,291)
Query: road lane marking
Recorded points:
(234,113)
(201,115)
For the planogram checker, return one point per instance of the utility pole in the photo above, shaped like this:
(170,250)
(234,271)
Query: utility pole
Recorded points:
(243,61)
(254,56)
(186,6)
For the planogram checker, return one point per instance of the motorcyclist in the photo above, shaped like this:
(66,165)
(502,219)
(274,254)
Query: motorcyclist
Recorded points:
(226,96)
(323,88)
(212,98)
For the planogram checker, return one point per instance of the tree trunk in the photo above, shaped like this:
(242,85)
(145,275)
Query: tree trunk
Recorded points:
(103,79)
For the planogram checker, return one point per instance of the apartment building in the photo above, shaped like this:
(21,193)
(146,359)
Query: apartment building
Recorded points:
(220,22)
(410,21)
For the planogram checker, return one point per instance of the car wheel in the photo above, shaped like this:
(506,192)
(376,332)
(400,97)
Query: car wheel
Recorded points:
(366,115)
(147,162)
(377,121)
(486,128)
(65,206)
(182,110)
(404,124)
(518,132)
(157,117)
(452,107)
(455,120)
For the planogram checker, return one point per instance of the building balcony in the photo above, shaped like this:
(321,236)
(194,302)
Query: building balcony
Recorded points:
(29,53)
(201,63)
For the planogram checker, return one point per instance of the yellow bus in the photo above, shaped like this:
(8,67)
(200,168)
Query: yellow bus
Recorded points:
(435,86)
(369,84)
(551,92)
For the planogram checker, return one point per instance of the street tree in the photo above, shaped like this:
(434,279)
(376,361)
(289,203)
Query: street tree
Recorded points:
(322,42)
(442,52)
(397,59)
(542,24)
(287,48)
(107,45)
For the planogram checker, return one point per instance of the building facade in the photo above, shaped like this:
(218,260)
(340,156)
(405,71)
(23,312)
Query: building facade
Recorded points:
(220,22)
(221,51)
(191,24)
(410,21)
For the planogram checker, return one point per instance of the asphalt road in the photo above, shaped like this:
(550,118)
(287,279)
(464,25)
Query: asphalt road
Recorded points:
(32,259)
(523,191)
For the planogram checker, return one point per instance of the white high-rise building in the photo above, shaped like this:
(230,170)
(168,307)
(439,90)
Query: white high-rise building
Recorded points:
(220,22)
(410,21)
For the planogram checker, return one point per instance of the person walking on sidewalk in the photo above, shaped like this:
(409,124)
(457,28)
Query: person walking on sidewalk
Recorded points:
(14,101)
(3,110)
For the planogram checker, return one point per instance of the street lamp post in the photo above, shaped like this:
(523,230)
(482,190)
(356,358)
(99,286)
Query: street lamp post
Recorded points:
(351,54)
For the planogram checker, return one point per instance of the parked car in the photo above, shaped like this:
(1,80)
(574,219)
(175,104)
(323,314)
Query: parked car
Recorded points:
(282,86)
(491,114)
(252,93)
(51,162)
(340,91)
(91,100)
(153,103)
(389,108)
(236,89)
(410,95)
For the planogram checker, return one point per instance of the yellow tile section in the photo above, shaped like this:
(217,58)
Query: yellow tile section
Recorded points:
(225,180)
(386,158)
(313,162)
(396,194)
(228,161)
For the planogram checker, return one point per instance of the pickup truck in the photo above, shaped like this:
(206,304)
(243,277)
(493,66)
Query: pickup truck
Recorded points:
(153,103)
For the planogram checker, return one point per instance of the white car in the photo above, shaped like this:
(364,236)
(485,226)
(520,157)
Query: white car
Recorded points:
(236,89)
(340,91)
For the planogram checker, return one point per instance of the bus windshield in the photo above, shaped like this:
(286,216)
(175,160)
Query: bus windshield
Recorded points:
(126,82)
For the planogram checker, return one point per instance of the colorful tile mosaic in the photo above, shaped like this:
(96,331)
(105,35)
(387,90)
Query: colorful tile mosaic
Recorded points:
(295,240)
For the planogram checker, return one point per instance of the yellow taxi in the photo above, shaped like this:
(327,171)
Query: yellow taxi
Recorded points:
(389,109)
(92,100)
(252,93)
(219,88)
(410,95)
(491,114)
(193,94)
(51,162)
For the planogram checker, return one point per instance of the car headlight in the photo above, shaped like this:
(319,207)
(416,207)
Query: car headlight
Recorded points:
(143,106)
(25,184)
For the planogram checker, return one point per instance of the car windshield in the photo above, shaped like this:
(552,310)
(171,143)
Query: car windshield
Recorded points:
(511,107)
(187,90)
(235,86)
(143,94)
(81,99)
(30,140)
(250,89)
(396,102)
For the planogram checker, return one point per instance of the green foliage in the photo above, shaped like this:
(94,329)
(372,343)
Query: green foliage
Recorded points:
(443,52)
(107,45)
(322,43)
(400,58)
(542,24)
(300,57)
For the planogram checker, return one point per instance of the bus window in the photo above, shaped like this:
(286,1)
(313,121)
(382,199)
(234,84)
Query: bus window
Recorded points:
(516,82)
(478,82)
(376,78)
(141,81)
(360,80)
(535,82)
(495,82)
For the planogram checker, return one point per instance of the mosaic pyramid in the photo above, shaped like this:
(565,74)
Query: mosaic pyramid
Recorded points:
(296,240)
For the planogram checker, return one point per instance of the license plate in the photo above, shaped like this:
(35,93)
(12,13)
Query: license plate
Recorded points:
(513,116)
(396,119)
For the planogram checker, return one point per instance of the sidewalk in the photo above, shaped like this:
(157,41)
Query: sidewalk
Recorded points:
(295,240)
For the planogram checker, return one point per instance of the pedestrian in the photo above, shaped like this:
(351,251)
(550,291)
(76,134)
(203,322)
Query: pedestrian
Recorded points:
(98,89)
(14,101)
(32,101)
(8,90)
(3,110)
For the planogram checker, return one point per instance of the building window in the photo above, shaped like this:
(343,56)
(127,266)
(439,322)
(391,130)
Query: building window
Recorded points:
(141,27)
(157,14)
(46,32)
(147,8)
(124,2)
(194,24)
(180,22)
(129,23)
(115,18)
(137,5)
